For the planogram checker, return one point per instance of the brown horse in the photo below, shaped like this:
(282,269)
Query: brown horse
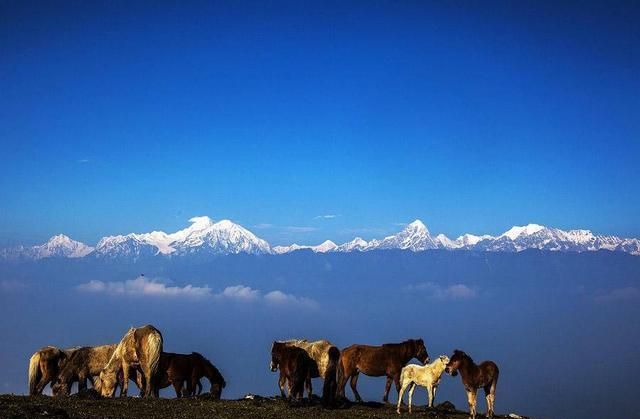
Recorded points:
(44,366)
(139,348)
(296,368)
(202,367)
(84,363)
(473,377)
(377,361)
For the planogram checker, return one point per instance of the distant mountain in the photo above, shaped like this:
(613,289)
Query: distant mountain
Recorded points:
(206,237)
(57,246)
(203,236)
(324,247)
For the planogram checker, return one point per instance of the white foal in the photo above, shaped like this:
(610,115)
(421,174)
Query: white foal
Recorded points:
(427,376)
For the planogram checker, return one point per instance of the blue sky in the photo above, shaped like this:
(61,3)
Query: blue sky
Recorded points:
(118,117)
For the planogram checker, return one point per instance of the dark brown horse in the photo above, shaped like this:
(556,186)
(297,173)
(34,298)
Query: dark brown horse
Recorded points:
(202,367)
(473,377)
(377,361)
(296,368)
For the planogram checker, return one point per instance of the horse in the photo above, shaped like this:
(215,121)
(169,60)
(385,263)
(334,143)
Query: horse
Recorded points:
(474,376)
(44,366)
(84,363)
(426,376)
(377,361)
(296,368)
(202,367)
(139,348)
(320,351)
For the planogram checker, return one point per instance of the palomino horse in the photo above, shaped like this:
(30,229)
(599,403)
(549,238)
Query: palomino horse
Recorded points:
(426,376)
(84,363)
(473,377)
(377,361)
(326,357)
(139,348)
(44,366)
(296,368)
(202,367)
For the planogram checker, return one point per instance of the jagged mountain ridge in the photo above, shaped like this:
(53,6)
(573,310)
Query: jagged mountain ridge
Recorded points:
(206,237)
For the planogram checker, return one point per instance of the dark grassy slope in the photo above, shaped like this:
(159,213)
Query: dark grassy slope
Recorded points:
(193,408)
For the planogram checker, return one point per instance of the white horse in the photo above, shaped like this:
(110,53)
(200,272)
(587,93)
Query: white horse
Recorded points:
(426,376)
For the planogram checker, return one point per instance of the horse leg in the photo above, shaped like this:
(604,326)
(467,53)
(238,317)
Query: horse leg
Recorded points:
(396,380)
(430,395)
(307,383)
(177,386)
(433,397)
(198,387)
(387,387)
(42,384)
(400,394)
(411,390)
(353,383)
(490,395)
(281,382)
(82,383)
(471,399)
(125,379)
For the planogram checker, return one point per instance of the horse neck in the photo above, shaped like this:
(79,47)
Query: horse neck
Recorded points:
(408,352)
(114,361)
(468,368)
(438,367)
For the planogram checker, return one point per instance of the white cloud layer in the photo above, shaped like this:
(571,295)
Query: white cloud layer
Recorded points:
(451,292)
(143,286)
(242,293)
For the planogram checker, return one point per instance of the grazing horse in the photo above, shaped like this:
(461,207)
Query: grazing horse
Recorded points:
(473,377)
(139,348)
(326,357)
(377,361)
(296,368)
(202,367)
(84,363)
(44,366)
(426,376)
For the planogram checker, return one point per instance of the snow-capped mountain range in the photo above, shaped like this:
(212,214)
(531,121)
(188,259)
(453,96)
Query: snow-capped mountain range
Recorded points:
(204,236)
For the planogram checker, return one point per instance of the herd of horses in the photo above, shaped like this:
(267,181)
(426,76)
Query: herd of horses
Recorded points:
(139,357)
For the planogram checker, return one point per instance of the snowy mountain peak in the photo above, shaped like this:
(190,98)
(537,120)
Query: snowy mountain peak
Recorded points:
(325,246)
(417,225)
(516,231)
(61,245)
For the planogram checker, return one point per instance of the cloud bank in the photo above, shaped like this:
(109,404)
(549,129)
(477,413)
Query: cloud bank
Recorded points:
(143,286)
(242,293)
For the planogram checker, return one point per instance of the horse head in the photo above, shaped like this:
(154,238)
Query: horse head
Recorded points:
(455,362)
(421,353)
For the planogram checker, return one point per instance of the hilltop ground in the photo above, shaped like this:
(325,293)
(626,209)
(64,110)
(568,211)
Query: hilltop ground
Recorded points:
(198,407)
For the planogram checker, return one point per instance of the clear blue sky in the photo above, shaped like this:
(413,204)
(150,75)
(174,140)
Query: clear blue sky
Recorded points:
(472,116)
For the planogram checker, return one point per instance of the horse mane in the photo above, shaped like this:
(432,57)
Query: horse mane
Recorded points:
(117,353)
(463,354)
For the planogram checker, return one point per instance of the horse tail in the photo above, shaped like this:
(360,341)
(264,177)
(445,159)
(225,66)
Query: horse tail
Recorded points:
(340,377)
(34,369)
(154,342)
(330,387)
